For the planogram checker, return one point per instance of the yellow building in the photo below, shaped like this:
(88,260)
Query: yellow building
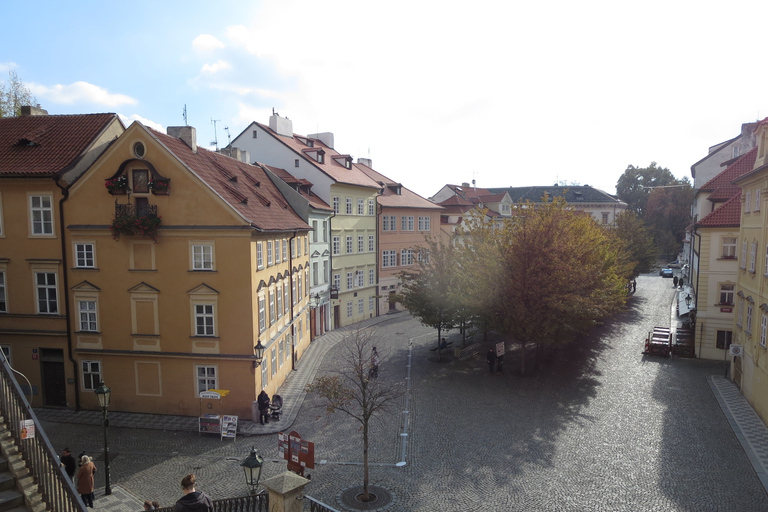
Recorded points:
(183,261)
(40,157)
(750,370)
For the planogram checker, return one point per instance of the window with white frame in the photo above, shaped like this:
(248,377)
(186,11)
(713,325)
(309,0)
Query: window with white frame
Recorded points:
(349,245)
(272,311)
(605,217)
(41,214)
(47,294)
(314,231)
(360,243)
(336,208)
(325,230)
(750,311)
(286,298)
(389,258)
(306,241)
(87,312)
(757,200)
(262,315)
(293,246)
(406,257)
(747,202)
(361,206)
(371,276)
(277,252)
(752,256)
(360,309)
(293,290)
(724,339)
(763,328)
(298,248)
(740,316)
(202,257)
(204,320)
(279,298)
(325,271)
(726,293)
(371,243)
(424,223)
(281,352)
(743,262)
(371,207)
(360,278)
(3,300)
(285,249)
(273,359)
(85,255)
(206,378)
(315,272)
(301,293)
(349,309)
(406,223)
(388,222)
(506,209)
(337,281)
(91,374)
(371,302)
(264,374)
(350,280)
(259,255)
(349,206)
(729,247)
(336,245)
(270,261)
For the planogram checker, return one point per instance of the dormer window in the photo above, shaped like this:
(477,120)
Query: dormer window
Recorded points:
(307,142)
(344,160)
(316,154)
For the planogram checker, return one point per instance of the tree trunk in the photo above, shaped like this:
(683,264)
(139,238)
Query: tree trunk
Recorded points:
(366,497)
(522,358)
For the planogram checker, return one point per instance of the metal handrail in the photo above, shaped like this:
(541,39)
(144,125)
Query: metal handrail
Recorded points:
(56,488)
(250,503)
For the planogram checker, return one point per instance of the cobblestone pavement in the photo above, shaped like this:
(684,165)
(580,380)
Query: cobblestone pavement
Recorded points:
(597,427)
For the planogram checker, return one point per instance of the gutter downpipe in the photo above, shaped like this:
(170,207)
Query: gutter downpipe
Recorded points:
(293,302)
(696,293)
(65,286)
(331,315)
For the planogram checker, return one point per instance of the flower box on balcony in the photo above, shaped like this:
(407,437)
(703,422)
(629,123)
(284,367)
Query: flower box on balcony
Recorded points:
(131,225)
(160,187)
(118,185)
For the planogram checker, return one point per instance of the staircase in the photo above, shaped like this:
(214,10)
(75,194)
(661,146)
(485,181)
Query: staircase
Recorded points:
(18,491)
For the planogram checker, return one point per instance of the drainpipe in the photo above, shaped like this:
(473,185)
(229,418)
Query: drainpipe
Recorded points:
(696,291)
(293,302)
(331,315)
(376,264)
(65,286)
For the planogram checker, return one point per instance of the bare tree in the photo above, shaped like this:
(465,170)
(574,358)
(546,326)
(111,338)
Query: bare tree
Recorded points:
(13,95)
(355,389)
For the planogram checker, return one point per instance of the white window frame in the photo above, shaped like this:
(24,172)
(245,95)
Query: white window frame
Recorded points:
(349,206)
(349,309)
(350,281)
(48,288)
(90,372)
(360,243)
(757,200)
(371,208)
(270,261)
(208,379)
(727,293)
(360,306)
(360,274)
(285,250)
(349,244)
(371,276)
(728,244)
(259,256)
(371,303)
(360,206)
(763,328)
(88,317)
(371,243)
(336,205)
(41,218)
(425,223)
(264,374)
(337,282)
(750,312)
(205,319)
(262,315)
(202,256)
(336,245)
(273,360)
(747,202)
(272,311)
(85,254)
(406,223)
(277,252)
(389,222)
(743,262)
(314,231)
(752,256)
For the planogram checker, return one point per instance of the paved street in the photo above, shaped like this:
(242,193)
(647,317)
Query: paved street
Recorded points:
(598,427)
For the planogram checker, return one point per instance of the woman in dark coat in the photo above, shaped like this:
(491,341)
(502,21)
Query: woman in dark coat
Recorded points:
(263,401)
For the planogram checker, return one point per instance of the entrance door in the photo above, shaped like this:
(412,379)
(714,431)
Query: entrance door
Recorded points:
(392,303)
(53,379)
(336,316)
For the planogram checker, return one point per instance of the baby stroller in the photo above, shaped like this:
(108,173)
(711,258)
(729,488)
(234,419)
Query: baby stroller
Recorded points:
(276,407)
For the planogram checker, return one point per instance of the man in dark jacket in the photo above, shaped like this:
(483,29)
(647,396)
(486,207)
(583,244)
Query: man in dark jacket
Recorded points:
(193,501)
(263,400)
(68,461)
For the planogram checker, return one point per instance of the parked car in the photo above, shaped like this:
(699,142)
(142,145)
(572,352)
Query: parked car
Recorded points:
(666,272)
(675,264)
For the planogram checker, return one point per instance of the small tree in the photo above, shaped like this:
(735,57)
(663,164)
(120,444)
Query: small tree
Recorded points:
(354,391)
(14,95)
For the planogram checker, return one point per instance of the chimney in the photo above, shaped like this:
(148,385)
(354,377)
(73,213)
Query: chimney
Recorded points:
(28,110)
(237,154)
(325,137)
(281,125)
(465,185)
(365,161)
(186,133)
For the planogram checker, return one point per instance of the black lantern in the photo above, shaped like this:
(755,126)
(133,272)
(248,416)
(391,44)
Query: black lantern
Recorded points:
(688,300)
(252,469)
(315,300)
(104,394)
(259,351)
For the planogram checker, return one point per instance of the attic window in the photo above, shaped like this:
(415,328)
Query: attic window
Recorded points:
(25,142)
(255,134)
(139,150)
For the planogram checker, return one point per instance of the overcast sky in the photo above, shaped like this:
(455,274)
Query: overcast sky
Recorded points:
(508,93)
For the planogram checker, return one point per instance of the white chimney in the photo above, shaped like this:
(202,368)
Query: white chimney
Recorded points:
(186,133)
(365,161)
(281,125)
(325,137)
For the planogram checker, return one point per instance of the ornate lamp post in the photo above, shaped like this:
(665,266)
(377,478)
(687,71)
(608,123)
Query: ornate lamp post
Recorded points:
(103,393)
(252,469)
(688,300)
(258,350)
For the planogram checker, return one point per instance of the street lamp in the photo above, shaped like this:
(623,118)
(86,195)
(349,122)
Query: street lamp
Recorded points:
(688,300)
(252,469)
(103,393)
(259,351)
(315,300)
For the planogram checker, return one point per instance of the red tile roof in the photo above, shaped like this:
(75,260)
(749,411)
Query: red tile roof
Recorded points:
(47,145)
(406,199)
(246,188)
(726,216)
(304,187)
(722,186)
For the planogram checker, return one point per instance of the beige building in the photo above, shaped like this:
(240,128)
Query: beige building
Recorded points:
(183,261)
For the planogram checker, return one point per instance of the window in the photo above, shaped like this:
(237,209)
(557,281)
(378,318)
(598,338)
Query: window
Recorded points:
(371,276)
(729,247)
(424,223)
(3,302)
(349,206)
(301,293)
(41,213)
(765,271)
(750,310)
(757,200)
(298,247)
(740,317)
(293,291)
(206,378)
(91,374)
(360,278)
(315,272)
(270,261)
(763,328)
(6,349)
(259,256)
(202,257)
(281,351)
(279,297)
(84,256)
(314,231)
(337,281)
(361,206)
(325,271)
(204,320)
(605,217)
(286,298)
(350,280)
(272,312)
(47,302)
(371,207)
(306,240)
(277,251)
(255,134)
(336,204)
(752,256)
(406,223)
(360,309)
(724,339)
(388,222)
(726,293)
(262,315)
(293,246)
(349,309)
(747,202)
(87,313)
(285,250)
(349,245)
(296,162)
(264,374)
(371,243)
(406,257)
(743,262)
(371,302)
(389,258)
(273,358)
(360,243)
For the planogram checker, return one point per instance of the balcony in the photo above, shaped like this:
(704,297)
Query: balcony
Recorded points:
(140,219)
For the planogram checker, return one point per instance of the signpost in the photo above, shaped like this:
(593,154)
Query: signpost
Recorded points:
(300,454)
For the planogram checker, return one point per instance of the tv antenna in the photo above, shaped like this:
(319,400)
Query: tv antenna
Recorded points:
(185,115)
(215,136)
(229,137)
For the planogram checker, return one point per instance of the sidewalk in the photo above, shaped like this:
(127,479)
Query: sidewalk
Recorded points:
(292,391)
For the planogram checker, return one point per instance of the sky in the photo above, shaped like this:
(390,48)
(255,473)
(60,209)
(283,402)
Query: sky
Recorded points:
(506,93)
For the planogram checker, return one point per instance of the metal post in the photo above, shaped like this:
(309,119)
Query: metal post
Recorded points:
(107,486)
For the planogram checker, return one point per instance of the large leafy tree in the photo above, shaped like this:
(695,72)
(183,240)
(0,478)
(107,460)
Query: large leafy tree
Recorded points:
(668,215)
(14,95)
(633,186)
(637,242)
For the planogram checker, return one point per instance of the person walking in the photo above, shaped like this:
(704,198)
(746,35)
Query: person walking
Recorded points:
(674,281)
(69,463)
(193,500)
(491,358)
(374,371)
(85,480)
(263,401)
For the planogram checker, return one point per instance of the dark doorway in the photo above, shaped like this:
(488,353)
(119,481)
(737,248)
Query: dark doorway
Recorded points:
(54,381)
(392,302)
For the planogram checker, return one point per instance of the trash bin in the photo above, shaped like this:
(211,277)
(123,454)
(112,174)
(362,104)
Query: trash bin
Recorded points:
(255,411)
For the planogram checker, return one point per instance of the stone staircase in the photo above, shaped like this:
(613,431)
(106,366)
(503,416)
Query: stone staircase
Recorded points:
(18,490)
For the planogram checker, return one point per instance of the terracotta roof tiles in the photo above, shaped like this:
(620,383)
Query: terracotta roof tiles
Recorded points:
(727,215)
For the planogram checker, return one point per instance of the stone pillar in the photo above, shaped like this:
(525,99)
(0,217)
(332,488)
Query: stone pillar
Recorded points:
(284,489)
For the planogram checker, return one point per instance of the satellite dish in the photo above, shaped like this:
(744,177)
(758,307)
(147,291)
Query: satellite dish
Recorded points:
(736,350)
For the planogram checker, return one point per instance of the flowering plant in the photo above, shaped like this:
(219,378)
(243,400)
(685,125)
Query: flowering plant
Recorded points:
(117,184)
(130,225)
(159,185)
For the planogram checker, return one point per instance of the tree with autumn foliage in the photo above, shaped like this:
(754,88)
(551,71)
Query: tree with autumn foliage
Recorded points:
(638,243)
(352,389)
(668,215)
